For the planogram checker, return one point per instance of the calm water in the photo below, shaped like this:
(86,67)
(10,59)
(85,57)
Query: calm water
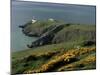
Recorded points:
(22,12)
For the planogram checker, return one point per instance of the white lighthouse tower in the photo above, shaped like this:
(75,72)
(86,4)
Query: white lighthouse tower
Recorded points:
(33,20)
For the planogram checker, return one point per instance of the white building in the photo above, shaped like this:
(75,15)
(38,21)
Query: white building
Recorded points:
(33,20)
(51,19)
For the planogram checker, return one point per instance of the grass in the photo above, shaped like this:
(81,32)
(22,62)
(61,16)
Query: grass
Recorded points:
(37,58)
(75,32)
(65,58)
(65,53)
(46,48)
(40,27)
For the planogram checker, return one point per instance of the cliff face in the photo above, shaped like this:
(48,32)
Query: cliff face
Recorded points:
(38,28)
(66,48)
(52,32)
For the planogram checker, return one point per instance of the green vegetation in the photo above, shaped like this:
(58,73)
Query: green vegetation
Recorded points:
(75,33)
(72,48)
(39,27)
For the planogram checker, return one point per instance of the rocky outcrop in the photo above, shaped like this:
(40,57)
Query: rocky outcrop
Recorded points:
(47,37)
(38,28)
(49,32)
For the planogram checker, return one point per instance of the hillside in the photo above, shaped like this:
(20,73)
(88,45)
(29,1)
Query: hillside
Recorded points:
(71,48)
(38,28)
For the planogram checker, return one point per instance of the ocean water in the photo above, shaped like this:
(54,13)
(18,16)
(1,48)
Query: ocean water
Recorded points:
(22,12)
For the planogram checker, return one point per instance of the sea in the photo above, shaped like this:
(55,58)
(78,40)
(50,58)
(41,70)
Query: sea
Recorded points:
(22,12)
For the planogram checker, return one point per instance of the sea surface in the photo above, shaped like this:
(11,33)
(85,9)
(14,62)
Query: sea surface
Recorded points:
(22,12)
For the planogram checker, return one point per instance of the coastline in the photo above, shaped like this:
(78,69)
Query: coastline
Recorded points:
(75,38)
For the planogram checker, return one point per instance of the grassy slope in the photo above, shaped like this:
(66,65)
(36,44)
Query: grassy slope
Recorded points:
(30,60)
(39,27)
(75,33)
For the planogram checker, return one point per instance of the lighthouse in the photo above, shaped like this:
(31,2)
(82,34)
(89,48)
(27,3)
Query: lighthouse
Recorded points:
(33,20)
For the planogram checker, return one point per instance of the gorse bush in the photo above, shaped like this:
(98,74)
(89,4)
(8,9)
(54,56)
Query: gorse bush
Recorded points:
(72,48)
(66,58)
(91,59)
